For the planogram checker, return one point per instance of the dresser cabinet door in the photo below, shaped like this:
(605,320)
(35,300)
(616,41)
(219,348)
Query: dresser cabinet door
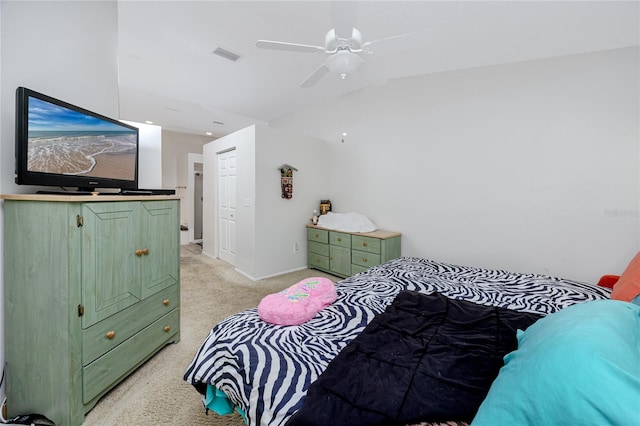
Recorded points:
(159,239)
(340,253)
(340,260)
(110,267)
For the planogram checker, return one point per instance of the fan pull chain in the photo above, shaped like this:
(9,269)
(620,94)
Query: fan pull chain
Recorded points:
(344,133)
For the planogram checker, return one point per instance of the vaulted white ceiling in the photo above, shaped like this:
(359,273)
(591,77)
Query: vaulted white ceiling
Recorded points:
(169,74)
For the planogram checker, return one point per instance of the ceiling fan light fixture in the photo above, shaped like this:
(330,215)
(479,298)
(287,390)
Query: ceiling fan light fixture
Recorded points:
(344,62)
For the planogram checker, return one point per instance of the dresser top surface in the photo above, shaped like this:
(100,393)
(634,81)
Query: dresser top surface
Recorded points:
(85,198)
(378,233)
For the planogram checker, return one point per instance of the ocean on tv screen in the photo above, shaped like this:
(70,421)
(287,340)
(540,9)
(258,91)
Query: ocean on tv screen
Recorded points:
(107,154)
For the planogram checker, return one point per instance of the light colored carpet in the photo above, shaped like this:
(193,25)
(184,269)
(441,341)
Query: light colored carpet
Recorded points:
(155,394)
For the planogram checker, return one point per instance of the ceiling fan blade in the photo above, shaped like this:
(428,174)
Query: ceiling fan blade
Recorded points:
(315,76)
(343,17)
(400,42)
(290,47)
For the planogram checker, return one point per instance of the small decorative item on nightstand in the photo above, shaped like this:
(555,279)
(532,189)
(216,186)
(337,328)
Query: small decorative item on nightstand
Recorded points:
(325,206)
(314,218)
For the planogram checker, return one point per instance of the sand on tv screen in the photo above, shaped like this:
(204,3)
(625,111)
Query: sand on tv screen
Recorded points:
(63,141)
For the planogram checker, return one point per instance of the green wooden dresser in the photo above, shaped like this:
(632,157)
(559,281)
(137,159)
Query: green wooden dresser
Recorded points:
(346,253)
(92,290)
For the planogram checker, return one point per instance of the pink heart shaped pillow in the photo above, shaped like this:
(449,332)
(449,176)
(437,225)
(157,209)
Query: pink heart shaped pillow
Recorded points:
(298,303)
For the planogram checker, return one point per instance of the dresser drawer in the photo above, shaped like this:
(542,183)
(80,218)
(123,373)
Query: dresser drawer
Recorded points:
(365,259)
(315,260)
(318,248)
(319,235)
(109,368)
(339,239)
(356,269)
(368,244)
(109,333)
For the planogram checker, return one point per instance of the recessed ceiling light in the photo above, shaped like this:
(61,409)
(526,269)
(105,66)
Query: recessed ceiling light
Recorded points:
(209,134)
(149,122)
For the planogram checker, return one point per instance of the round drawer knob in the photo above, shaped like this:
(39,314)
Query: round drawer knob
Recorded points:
(339,239)
(364,259)
(317,235)
(165,302)
(145,251)
(364,244)
(167,328)
(138,252)
(111,334)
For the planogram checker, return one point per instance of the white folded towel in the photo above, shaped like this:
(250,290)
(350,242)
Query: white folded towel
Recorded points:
(349,222)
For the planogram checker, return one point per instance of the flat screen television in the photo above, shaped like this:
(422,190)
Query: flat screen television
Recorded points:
(63,145)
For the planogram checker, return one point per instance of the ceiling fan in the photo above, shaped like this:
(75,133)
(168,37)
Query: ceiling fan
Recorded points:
(345,48)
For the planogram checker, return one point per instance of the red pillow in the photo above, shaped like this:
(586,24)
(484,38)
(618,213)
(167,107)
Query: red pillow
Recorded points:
(628,286)
(608,281)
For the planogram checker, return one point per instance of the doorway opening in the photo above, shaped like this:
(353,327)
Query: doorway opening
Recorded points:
(197,205)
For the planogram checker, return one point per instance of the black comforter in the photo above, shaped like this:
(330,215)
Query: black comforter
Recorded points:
(426,358)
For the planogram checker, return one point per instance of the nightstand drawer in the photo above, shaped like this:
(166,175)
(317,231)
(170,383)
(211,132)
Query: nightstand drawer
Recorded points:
(315,260)
(109,333)
(365,259)
(340,239)
(318,248)
(368,244)
(319,235)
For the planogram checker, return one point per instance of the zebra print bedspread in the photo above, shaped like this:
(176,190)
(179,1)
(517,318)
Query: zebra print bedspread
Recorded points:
(266,369)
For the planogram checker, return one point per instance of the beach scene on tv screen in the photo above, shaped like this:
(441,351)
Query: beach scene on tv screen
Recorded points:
(63,141)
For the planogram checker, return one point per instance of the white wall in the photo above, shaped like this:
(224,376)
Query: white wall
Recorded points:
(67,50)
(3,392)
(192,161)
(185,190)
(174,146)
(530,166)
(177,149)
(267,225)
(149,155)
(280,222)
(243,141)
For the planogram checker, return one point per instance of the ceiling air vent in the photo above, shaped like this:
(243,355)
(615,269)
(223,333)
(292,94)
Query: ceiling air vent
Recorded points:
(227,54)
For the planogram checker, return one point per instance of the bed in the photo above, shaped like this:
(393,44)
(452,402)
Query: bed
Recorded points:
(265,371)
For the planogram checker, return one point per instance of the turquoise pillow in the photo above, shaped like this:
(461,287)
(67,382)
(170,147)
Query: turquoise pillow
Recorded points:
(578,366)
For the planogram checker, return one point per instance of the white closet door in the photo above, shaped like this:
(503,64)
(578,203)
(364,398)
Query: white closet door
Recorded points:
(227,208)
